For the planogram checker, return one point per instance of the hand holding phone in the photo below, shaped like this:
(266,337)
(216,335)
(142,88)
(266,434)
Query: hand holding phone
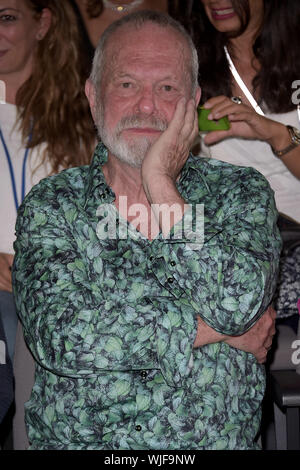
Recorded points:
(207,125)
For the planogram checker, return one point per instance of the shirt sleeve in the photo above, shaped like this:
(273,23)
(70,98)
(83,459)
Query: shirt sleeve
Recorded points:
(228,281)
(60,304)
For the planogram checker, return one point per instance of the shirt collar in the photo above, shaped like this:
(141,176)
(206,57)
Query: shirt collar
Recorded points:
(96,186)
(189,164)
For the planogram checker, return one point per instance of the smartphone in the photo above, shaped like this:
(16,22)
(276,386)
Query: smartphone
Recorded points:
(206,125)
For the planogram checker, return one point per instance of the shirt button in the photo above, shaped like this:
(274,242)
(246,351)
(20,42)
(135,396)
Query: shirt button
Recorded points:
(138,427)
(144,374)
(170,280)
(173,263)
(151,258)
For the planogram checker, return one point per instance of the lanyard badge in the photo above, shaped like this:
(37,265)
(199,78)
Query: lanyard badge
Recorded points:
(12,173)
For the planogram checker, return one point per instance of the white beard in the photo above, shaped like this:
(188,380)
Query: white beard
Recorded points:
(131,151)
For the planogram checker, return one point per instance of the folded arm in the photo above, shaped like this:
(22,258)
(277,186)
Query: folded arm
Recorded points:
(226,285)
(257,340)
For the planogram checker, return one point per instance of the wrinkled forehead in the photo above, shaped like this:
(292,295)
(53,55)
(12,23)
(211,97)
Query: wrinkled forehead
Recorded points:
(148,41)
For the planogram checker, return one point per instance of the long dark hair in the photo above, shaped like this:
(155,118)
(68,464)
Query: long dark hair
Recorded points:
(276,49)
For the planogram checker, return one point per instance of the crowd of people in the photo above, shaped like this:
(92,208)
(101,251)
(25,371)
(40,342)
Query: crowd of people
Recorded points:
(128,339)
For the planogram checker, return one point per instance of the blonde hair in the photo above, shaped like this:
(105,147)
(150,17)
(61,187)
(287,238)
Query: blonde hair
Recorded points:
(52,105)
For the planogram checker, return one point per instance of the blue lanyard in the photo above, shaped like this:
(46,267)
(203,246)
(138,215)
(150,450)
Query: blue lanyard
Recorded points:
(12,173)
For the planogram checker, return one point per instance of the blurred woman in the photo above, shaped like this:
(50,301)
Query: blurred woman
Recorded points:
(45,123)
(249,50)
(250,70)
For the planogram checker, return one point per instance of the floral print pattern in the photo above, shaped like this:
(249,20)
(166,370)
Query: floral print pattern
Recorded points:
(111,323)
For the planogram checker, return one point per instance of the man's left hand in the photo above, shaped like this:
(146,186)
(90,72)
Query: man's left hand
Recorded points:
(257,340)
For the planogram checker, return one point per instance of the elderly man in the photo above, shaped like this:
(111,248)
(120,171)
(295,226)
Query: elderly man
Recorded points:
(143,337)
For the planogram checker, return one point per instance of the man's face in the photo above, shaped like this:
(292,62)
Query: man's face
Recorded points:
(145,75)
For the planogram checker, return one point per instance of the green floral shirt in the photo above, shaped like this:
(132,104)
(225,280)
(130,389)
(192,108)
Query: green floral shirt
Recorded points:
(111,323)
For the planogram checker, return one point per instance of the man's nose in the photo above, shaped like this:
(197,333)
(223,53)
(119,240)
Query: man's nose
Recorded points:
(146,102)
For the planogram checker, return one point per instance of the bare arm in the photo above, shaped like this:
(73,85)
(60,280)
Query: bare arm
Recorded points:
(245,122)
(6,261)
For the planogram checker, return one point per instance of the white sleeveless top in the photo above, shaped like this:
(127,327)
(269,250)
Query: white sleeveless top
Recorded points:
(259,155)
(13,140)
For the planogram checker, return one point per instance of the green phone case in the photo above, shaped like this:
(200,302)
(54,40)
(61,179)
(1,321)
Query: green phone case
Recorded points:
(206,125)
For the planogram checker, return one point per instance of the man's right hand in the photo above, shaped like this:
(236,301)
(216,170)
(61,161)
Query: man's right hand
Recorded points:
(257,340)
(169,152)
(163,164)
(6,261)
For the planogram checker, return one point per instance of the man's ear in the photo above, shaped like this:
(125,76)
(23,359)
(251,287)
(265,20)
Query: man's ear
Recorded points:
(91,96)
(198,96)
(44,24)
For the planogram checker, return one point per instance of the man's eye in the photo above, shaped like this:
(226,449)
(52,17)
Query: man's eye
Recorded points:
(126,85)
(167,88)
